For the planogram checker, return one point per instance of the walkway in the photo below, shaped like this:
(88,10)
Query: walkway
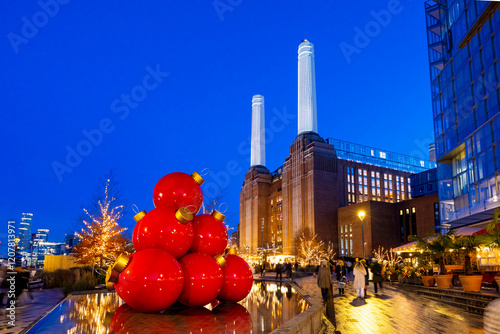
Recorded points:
(27,311)
(395,312)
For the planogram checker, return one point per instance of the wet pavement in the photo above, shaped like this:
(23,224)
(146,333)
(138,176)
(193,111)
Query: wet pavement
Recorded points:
(393,311)
(27,310)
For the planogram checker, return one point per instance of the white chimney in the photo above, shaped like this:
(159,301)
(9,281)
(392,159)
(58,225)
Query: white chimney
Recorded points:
(308,121)
(258,153)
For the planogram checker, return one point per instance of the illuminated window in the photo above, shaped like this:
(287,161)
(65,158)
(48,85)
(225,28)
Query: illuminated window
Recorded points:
(350,228)
(281,217)
(413,210)
(400,212)
(271,202)
(382,155)
(341,228)
(342,244)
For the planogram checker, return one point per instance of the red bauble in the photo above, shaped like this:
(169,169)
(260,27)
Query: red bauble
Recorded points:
(150,323)
(233,318)
(176,190)
(151,281)
(202,279)
(238,279)
(120,317)
(196,320)
(210,234)
(161,228)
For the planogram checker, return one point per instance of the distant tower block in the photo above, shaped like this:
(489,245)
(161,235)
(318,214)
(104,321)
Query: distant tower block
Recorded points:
(258,152)
(308,120)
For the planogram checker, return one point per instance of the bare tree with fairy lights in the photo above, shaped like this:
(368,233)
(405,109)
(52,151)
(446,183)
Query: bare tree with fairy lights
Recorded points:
(102,238)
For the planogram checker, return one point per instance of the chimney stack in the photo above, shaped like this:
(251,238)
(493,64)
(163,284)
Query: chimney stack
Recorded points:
(258,152)
(308,121)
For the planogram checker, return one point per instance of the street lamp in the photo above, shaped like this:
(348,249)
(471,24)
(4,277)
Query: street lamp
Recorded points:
(361,216)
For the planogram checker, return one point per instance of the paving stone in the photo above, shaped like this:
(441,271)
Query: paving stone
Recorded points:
(28,311)
(393,311)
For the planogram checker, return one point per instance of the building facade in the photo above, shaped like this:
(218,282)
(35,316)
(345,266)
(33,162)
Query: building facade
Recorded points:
(464,47)
(25,232)
(317,178)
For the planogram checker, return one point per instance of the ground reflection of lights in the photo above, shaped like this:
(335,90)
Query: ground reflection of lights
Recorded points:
(268,306)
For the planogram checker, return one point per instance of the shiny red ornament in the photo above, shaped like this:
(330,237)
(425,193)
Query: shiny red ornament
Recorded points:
(233,318)
(197,320)
(150,281)
(210,234)
(149,323)
(238,279)
(202,279)
(120,317)
(165,229)
(176,190)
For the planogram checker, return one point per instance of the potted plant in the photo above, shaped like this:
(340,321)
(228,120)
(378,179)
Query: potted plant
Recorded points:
(491,236)
(437,246)
(467,244)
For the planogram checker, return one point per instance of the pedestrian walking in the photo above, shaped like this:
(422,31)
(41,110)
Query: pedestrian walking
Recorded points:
(342,283)
(324,280)
(279,269)
(376,269)
(492,317)
(363,262)
(296,267)
(349,270)
(340,270)
(263,269)
(289,270)
(359,279)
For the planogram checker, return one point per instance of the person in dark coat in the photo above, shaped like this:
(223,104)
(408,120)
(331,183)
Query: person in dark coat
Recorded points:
(363,262)
(279,269)
(376,269)
(340,270)
(324,280)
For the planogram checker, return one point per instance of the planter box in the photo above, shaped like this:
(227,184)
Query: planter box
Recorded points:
(471,283)
(428,280)
(444,281)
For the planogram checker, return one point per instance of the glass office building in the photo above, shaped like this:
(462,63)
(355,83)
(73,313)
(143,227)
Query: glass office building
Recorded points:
(464,48)
(373,156)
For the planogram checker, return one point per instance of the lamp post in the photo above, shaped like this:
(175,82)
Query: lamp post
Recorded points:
(361,216)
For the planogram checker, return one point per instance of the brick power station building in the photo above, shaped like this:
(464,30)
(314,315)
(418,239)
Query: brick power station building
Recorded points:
(324,183)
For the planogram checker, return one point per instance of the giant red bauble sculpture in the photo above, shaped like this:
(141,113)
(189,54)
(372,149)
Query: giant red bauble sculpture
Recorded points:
(210,234)
(202,279)
(238,279)
(150,281)
(165,229)
(176,190)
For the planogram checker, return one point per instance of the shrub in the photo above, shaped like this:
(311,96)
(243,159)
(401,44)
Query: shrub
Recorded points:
(86,282)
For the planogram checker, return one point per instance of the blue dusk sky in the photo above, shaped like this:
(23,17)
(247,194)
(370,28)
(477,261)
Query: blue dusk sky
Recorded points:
(152,87)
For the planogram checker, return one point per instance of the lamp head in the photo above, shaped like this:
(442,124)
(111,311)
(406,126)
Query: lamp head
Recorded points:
(361,215)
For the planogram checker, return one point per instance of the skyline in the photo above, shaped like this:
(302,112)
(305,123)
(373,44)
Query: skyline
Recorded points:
(197,68)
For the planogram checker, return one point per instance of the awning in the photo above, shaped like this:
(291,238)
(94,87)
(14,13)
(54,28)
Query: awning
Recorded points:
(411,246)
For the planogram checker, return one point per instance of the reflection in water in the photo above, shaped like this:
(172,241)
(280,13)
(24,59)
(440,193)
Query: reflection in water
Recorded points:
(89,312)
(267,307)
(271,305)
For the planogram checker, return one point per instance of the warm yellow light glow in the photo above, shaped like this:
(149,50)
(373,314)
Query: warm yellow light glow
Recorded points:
(361,215)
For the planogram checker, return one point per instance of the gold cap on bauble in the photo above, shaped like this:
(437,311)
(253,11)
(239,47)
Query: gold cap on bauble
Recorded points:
(139,216)
(197,178)
(217,215)
(220,260)
(121,262)
(183,215)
